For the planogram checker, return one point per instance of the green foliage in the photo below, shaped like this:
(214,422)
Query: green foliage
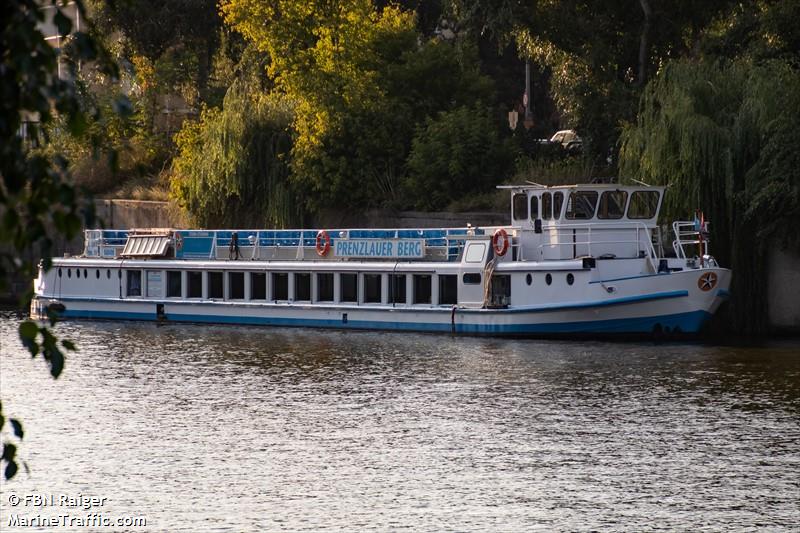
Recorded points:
(458,153)
(37,198)
(232,169)
(723,137)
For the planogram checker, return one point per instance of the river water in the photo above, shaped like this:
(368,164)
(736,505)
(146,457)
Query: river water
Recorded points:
(198,428)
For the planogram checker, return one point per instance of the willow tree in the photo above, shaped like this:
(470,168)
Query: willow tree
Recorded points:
(724,137)
(232,168)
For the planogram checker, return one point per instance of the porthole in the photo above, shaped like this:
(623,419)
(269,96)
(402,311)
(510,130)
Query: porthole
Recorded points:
(548,279)
(97,273)
(85,273)
(69,272)
(529,279)
(570,279)
(108,273)
(77,272)
(60,273)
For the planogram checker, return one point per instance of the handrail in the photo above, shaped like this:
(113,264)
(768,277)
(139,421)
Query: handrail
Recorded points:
(650,250)
(688,228)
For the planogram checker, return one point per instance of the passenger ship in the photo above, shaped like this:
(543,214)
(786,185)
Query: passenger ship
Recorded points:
(585,259)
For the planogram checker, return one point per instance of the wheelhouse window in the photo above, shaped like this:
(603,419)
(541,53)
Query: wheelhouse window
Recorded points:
(397,288)
(520,205)
(372,288)
(475,251)
(612,205)
(422,288)
(349,287)
(547,206)
(302,287)
(236,285)
(558,203)
(215,285)
(581,205)
(134,278)
(472,278)
(280,286)
(194,282)
(325,287)
(155,284)
(501,290)
(448,289)
(644,205)
(174,283)
(258,286)
(534,207)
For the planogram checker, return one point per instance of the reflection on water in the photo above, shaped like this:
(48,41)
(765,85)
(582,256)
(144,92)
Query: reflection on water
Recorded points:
(203,428)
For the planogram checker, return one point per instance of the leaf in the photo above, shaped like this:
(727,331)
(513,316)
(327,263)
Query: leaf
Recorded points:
(11,469)
(17,427)
(9,452)
(69,345)
(28,330)
(56,362)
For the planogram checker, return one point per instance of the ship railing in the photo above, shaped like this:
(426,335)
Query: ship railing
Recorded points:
(204,244)
(568,236)
(689,233)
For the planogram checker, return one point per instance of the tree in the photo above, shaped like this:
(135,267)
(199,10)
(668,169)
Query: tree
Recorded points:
(722,136)
(37,199)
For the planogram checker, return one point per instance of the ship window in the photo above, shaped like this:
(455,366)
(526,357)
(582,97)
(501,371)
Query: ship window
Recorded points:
(534,207)
(173,284)
(134,282)
(529,278)
(581,205)
(520,205)
(302,287)
(643,205)
(85,273)
(475,252)
(236,285)
(548,279)
(155,284)
(108,273)
(372,288)
(558,201)
(422,288)
(215,285)
(69,272)
(78,272)
(570,279)
(280,286)
(349,287)
(258,286)
(612,205)
(547,206)
(325,287)
(397,288)
(194,282)
(472,278)
(448,289)
(60,273)
(97,273)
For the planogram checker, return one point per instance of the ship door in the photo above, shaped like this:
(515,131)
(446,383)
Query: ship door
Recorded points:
(470,279)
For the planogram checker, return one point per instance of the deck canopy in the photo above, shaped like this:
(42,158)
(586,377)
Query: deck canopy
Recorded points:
(146,246)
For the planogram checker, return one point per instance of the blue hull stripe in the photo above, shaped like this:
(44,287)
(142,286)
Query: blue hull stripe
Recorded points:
(446,309)
(689,322)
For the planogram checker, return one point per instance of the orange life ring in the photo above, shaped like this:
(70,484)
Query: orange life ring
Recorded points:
(500,248)
(323,243)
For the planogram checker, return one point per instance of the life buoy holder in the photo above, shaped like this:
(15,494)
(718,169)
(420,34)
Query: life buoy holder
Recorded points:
(178,242)
(323,243)
(500,242)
